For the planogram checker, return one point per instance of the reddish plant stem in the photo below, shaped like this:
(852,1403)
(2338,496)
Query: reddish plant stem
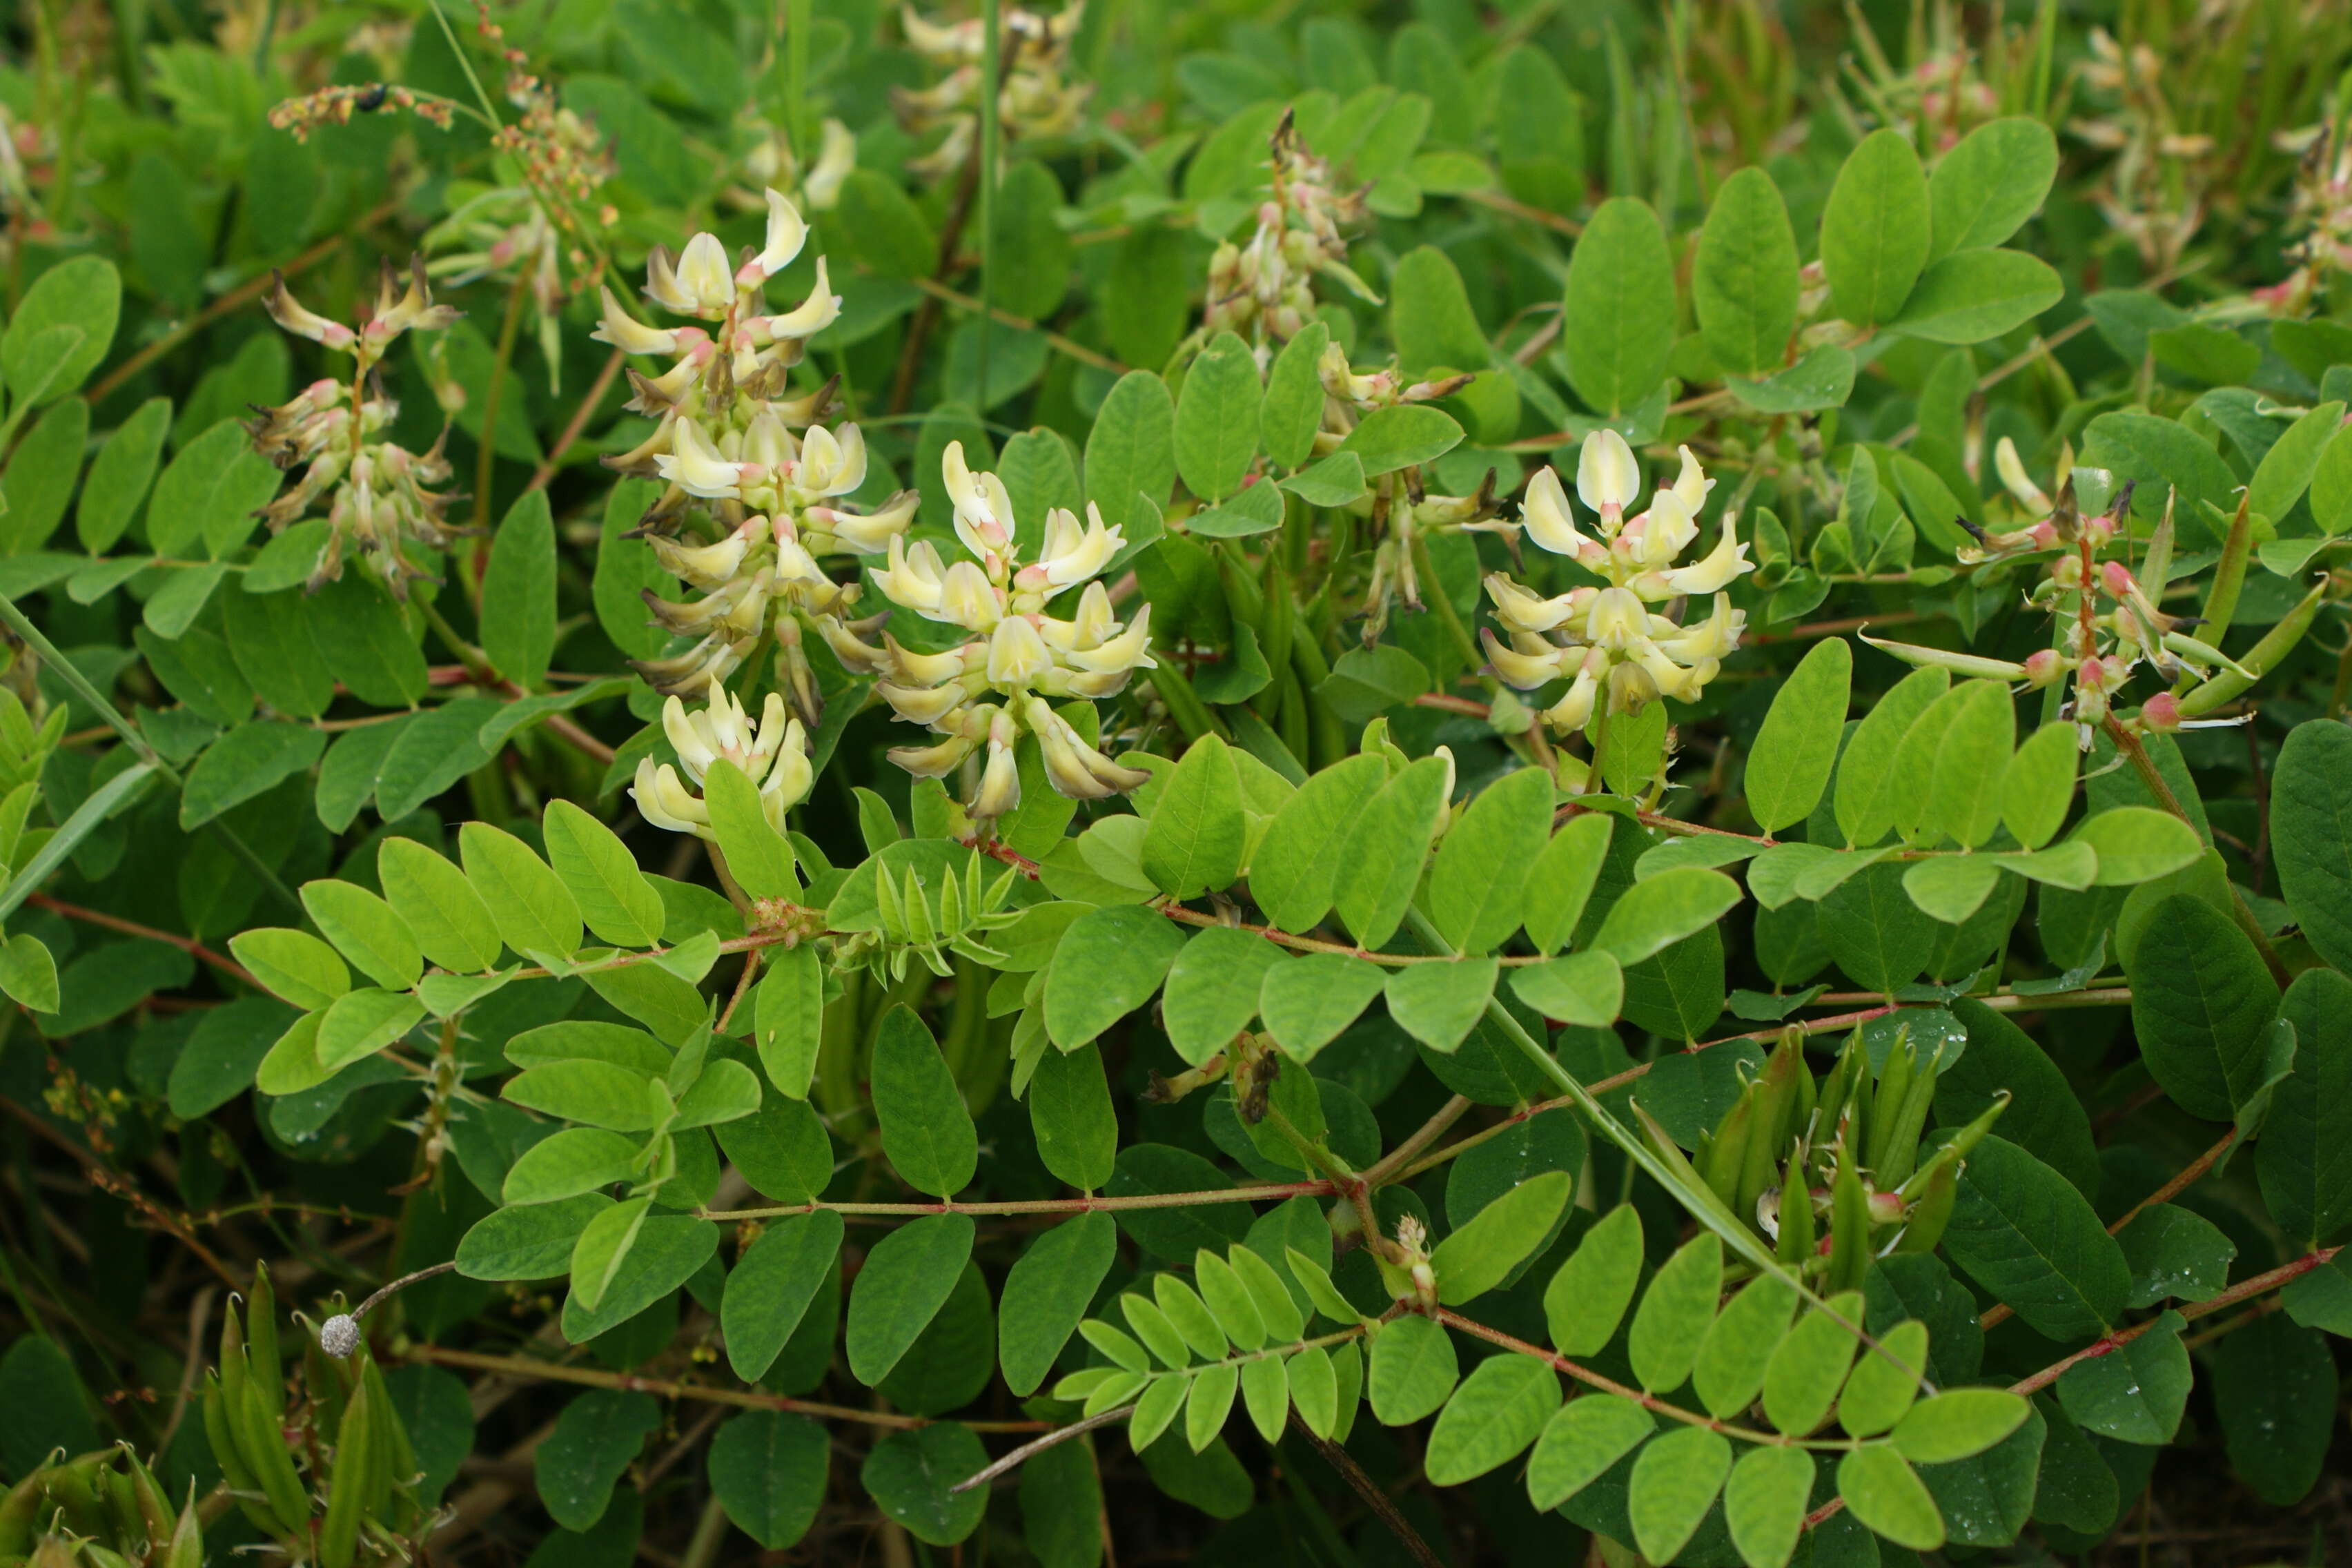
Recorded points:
(1592,1379)
(579,421)
(188,945)
(1270,1192)
(2284,1274)
(665,1388)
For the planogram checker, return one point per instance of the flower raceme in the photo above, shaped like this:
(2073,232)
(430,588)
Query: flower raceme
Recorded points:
(1036,97)
(772,754)
(763,479)
(995,684)
(1604,638)
(382,502)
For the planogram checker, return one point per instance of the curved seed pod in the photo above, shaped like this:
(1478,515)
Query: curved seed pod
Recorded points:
(221,1438)
(261,1340)
(187,1546)
(356,1455)
(19,1508)
(154,1511)
(233,1368)
(262,1446)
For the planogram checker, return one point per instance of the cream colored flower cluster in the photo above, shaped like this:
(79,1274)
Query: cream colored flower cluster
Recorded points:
(771,754)
(1605,638)
(997,684)
(1264,291)
(725,441)
(1034,96)
(382,495)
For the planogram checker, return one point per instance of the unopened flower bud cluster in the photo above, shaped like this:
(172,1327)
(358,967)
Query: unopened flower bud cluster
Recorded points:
(1034,97)
(982,695)
(379,497)
(747,461)
(1606,639)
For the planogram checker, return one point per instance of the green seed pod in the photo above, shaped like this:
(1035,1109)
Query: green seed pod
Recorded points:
(262,1444)
(356,1453)
(1932,1211)
(20,1509)
(261,1340)
(1849,1229)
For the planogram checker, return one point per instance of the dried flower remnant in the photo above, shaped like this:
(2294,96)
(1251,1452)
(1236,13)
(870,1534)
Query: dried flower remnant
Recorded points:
(2110,622)
(2323,212)
(543,223)
(1034,95)
(2156,191)
(772,754)
(997,684)
(381,495)
(753,486)
(1605,640)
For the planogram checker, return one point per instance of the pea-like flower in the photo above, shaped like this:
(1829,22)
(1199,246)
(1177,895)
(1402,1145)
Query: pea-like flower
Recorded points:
(770,164)
(382,505)
(1604,638)
(771,754)
(754,485)
(984,693)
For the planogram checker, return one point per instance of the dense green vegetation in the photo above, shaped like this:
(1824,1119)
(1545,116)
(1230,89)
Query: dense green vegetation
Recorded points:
(1534,783)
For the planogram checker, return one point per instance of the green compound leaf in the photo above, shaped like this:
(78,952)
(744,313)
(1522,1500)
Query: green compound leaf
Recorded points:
(1414,1371)
(927,1133)
(1588,1296)
(1580,1442)
(906,1278)
(1674,1482)
(1875,229)
(1675,1313)
(1500,1408)
(1790,764)
(1886,1494)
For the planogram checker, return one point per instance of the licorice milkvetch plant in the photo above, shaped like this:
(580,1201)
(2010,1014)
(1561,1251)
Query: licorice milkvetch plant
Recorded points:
(1085,784)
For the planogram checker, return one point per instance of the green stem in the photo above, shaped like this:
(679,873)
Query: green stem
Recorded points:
(991,77)
(797,59)
(1737,1237)
(81,687)
(486,461)
(1434,593)
(2142,763)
